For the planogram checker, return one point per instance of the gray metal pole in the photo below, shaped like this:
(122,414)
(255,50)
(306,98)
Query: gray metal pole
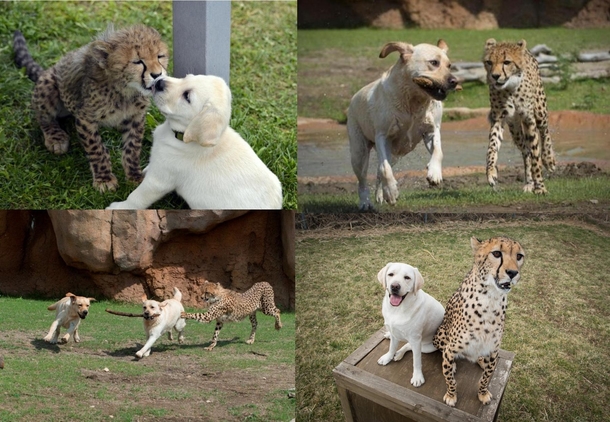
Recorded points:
(202,38)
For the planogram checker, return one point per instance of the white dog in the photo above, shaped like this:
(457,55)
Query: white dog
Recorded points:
(198,155)
(68,313)
(160,318)
(395,112)
(409,315)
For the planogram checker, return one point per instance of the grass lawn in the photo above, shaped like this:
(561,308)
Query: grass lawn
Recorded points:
(234,382)
(335,64)
(263,83)
(557,323)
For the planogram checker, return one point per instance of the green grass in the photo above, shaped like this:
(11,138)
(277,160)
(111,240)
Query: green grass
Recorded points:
(263,83)
(569,193)
(67,382)
(335,64)
(558,316)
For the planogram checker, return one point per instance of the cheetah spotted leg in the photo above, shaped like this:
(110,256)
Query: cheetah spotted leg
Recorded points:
(133,132)
(495,141)
(516,131)
(449,368)
(542,123)
(254,325)
(99,160)
(533,142)
(48,106)
(269,308)
(215,338)
(488,365)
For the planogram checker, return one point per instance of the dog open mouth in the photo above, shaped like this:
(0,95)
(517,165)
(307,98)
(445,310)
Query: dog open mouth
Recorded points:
(434,88)
(396,300)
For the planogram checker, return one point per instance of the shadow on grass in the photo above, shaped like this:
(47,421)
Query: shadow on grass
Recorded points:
(40,344)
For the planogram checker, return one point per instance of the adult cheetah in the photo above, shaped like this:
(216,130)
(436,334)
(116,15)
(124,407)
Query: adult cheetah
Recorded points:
(474,316)
(517,98)
(228,306)
(108,82)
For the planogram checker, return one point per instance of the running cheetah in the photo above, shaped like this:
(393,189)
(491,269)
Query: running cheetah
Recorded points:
(108,82)
(517,97)
(474,316)
(229,306)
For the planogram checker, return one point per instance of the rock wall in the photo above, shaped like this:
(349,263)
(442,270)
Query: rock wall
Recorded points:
(124,254)
(469,14)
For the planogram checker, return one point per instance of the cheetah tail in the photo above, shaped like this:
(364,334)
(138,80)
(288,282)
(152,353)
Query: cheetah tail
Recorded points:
(23,57)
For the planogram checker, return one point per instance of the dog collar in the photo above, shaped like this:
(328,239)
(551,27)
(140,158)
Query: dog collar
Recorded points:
(179,135)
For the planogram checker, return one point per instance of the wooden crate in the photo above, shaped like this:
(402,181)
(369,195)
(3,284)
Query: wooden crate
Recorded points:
(373,393)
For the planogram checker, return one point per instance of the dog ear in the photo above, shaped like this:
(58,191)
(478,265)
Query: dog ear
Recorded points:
(442,45)
(209,125)
(144,299)
(419,281)
(382,273)
(92,299)
(405,50)
(163,304)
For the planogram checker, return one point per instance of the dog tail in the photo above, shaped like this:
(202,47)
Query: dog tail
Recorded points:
(23,58)
(177,294)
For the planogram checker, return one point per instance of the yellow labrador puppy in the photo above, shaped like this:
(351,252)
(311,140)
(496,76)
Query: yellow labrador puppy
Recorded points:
(396,112)
(162,317)
(198,155)
(68,313)
(409,315)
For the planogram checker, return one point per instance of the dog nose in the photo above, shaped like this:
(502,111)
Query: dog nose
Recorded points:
(395,288)
(512,273)
(160,85)
(452,81)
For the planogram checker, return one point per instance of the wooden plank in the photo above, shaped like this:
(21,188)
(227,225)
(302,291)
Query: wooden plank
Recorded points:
(366,348)
(345,404)
(397,398)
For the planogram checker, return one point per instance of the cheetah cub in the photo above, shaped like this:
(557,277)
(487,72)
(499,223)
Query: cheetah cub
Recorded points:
(517,98)
(474,316)
(108,82)
(229,306)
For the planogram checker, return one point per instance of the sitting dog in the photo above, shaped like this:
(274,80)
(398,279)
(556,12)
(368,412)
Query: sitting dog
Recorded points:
(409,315)
(68,313)
(160,318)
(198,155)
(395,112)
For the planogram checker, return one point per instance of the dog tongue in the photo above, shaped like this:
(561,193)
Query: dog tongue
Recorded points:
(395,300)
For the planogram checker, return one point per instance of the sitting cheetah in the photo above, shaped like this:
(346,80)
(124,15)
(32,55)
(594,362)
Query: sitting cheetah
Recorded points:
(517,98)
(228,306)
(108,82)
(474,316)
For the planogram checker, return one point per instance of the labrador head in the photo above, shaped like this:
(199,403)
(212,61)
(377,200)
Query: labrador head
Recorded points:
(399,280)
(198,105)
(80,304)
(151,308)
(425,65)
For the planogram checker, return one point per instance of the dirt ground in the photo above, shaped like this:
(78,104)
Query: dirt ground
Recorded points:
(211,393)
(455,178)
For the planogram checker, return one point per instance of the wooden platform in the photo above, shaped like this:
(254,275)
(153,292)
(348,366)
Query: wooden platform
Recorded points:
(375,393)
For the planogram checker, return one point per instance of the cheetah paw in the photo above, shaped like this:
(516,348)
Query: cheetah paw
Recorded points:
(450,399)
(485,398)
(106,185)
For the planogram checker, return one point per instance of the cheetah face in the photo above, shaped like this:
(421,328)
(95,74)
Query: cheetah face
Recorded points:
(399,280)
(499,260)
(504,64)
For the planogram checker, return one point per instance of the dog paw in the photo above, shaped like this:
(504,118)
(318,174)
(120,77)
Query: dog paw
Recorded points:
(485,397)
(385,359)
(435,175)
(450,399)
(417,380)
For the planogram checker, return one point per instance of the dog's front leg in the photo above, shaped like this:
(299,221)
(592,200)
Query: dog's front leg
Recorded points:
(145,350)
(388,190)
(53,334)
(418,376)
(387,358)
(150,190)
(72,332)
(435,165)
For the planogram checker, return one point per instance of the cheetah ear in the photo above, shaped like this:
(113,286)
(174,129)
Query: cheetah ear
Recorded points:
(475,243)
(381,274)
(522,44)
(419,281)
(405,50)
(442,45)
(100,51)
(490,43)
